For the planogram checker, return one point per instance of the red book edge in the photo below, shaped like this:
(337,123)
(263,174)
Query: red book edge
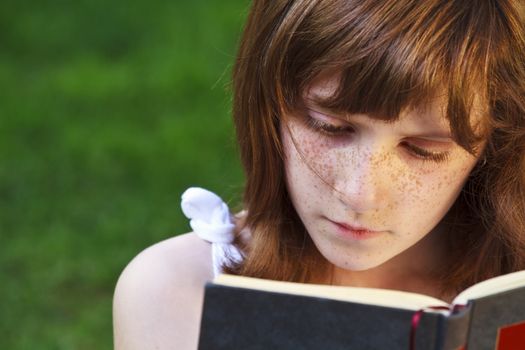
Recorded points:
(511,337)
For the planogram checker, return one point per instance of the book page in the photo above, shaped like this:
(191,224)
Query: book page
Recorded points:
(372,296)
(491,286)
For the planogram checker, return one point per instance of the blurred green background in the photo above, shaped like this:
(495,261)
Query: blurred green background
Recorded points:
(109,110)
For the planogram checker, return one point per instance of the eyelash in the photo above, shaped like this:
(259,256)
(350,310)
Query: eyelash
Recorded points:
(333,130)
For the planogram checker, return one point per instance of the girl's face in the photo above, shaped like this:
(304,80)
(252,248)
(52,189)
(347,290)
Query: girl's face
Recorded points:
(367,190)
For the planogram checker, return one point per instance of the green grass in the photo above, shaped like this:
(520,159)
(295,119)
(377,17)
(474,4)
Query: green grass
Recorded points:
(108,111)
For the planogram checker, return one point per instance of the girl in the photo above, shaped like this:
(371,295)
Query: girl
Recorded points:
(383,144)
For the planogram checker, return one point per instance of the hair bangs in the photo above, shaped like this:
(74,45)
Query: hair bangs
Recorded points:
(391,58)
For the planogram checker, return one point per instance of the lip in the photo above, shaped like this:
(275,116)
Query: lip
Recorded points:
(354,227)
(354,231)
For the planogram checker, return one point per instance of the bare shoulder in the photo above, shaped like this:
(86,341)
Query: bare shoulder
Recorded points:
(158,297)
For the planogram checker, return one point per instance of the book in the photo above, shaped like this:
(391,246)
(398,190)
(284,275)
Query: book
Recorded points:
(250,313)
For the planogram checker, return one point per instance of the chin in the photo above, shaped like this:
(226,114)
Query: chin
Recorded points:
(355,263)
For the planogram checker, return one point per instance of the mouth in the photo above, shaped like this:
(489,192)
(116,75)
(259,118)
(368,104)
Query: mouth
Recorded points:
(354,232)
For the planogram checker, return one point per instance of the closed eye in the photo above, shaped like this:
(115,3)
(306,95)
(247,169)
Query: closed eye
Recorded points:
(328,128)
(426,155)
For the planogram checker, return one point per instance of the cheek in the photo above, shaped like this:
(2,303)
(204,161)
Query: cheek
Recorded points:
(426,196)
(308,154)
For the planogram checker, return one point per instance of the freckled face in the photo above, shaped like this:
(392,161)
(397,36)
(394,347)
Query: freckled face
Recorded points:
(395,181)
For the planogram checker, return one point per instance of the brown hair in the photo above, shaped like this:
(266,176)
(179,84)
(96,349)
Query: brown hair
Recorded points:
(390,55)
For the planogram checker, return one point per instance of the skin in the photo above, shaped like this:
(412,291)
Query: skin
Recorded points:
(158,298)
(368,175)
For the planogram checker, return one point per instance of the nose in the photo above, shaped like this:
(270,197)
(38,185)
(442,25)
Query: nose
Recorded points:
(362,185)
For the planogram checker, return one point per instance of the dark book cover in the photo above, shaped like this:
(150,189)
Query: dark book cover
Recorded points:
(240,318)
